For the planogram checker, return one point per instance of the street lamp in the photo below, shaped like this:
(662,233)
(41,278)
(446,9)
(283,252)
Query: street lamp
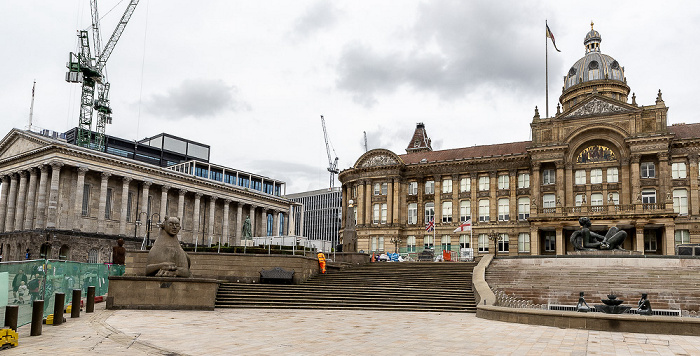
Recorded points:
(149,227)
(137,223)
(496,237)
(396,240)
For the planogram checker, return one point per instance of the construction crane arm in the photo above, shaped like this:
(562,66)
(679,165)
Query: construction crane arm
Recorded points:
(325,137)
(109,47)
(96,38)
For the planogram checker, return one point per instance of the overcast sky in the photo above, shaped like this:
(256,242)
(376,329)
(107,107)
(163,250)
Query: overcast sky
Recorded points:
(251,78)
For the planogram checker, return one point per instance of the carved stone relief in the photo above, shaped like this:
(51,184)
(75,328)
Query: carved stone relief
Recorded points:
(596,107)
(379,160)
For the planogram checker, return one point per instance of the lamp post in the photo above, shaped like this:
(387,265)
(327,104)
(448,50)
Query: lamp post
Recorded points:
(493,235)
(149,227)
(396,240)
(137,223)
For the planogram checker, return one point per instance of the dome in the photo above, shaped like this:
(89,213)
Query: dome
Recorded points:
(594,65)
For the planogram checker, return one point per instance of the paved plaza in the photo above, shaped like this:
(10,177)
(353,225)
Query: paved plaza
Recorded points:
(345,332)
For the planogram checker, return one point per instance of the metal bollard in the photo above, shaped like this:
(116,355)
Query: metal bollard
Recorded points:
(59,301)
(75,308)
(37,317)
(90,303)
(11,314)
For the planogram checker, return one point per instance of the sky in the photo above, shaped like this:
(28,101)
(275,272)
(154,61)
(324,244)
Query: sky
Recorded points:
(251,78)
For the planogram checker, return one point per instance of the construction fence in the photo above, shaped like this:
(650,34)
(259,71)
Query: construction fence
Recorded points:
(22,282)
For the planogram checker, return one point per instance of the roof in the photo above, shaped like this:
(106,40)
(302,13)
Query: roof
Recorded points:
(685,130)
(501,149)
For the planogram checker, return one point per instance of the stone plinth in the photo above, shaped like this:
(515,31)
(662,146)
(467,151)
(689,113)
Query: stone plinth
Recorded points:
(605,253)
(137,292)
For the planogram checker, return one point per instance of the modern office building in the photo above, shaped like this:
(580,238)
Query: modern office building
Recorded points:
(321,214)
(602,155)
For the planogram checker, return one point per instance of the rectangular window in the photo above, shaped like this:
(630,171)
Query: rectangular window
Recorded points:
(464,241)
(579,199)
(580,177)
(614,198)
(108,204)
(447,185)
(465,185)
(430,187)
(429,212)
(548,201)
(503,245)
(385,188)
(413,213)
(503,209)
(446,243)
(428,242)
(596,199)
(86,200)
(413,188)
(410,244)
(380,246)
(550,241)
(129,200)
(548,176)
(524,242)
(596,176)
(483,184)
(648,170)
(484,210)
(682,237)
(612,175)
(648,196)
(680,201)
(524,180)
(483,243)
(384,214)
(523,208)
(650,240)
(447,211)
(377,188)
(678,170)
(374,244)
(503,181)
(465,210)
(375,214)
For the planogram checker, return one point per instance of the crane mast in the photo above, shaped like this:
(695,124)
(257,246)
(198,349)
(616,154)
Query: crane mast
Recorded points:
(90,71)
(332,163)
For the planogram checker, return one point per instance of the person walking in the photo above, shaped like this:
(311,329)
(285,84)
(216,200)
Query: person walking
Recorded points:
(321,261)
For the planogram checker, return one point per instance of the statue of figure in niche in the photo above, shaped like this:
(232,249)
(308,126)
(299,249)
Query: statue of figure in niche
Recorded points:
(587,240)
(167,258)
(247,232)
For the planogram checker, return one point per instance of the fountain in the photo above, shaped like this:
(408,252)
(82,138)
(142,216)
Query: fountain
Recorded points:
(612,305)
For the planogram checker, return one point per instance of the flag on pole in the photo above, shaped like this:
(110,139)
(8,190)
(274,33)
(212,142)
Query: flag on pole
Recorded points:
(551,35)
(465,226)
(430,226)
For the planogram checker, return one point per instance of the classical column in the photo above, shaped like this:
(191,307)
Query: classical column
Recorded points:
(40,222)
(78,206)
(21,200)
(125,202)
(535,183)
(144,207)
(534,240)
(513,199)
(669,242)
(635,179)
(390,201)
(210,229)
(473,201)
(360,203)
(251,215)
(624,181)
(368,204)
(11,200)
(225,228)
(301,220)
(53,195)
(399,202)
(569,188)
(437,194)
(31,201)
(195,217)
(560,241)
(493,198)
(163,201)
(559,182)
(639,237)
(664,176)
(693,175)
(102,208)
(455,200)
(239,224)
(4,201)
(275,223)
(181,205)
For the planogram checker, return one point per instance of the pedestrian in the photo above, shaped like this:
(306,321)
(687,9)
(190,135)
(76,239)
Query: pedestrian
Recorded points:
(17,282)
(34,285)
(27,255)
(322,261)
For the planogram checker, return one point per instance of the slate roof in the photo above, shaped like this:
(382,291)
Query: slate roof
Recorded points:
(683,131)
(501,149)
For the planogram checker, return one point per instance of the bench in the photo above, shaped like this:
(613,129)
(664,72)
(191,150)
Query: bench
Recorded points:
(276,275)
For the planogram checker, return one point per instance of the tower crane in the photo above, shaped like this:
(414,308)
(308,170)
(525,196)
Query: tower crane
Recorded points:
(91,72)
(332,164)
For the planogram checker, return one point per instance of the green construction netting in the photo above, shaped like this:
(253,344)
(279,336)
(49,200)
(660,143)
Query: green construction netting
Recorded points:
(43,278)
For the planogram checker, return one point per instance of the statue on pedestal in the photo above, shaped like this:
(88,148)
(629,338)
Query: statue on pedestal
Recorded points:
(582,306)
(644,306)
(247,232)
(587,240)
(167,258)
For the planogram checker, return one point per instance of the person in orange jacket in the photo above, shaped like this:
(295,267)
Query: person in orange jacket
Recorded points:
(322,261)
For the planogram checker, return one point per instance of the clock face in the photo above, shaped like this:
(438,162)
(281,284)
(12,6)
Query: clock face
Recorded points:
(416,144)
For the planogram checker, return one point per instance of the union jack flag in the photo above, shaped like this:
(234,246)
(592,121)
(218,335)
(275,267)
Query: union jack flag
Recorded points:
(430,226)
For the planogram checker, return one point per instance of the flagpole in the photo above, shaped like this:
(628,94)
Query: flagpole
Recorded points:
(546,72)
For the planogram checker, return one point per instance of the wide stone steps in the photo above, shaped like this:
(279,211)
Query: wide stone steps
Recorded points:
(436,287)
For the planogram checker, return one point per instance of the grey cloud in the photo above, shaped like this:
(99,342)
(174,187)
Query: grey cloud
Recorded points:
(319,16)
(395,139)
(299,177)
(476,44)
(200,98)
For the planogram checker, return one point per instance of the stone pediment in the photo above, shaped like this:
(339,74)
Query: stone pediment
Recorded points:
(596,107)
(378,158)
(16,143)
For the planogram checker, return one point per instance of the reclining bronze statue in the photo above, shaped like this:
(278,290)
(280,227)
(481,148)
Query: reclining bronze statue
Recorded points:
(587,240)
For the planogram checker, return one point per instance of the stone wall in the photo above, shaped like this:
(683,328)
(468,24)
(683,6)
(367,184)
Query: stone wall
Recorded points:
(670,281)
(233,267)
(353,258)
(161,293)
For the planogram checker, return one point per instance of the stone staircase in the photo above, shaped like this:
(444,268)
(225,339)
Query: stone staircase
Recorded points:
(406,286)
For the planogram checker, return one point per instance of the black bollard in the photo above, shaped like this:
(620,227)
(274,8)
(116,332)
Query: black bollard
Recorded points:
(59,300)
(37,317)
(90,303)
(11,314)
(75,308)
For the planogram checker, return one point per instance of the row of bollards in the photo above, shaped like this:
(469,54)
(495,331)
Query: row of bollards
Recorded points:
(12,311)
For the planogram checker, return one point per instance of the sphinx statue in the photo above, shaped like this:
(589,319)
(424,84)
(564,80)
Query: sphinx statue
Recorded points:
(167,258)
(587,240)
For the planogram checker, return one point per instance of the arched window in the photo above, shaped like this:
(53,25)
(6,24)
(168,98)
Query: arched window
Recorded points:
(64,253)
(94,256)
(596,153)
